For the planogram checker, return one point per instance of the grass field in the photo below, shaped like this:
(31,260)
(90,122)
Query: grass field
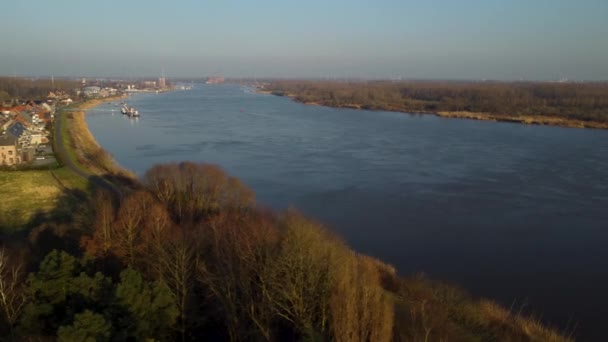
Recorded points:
(24,193)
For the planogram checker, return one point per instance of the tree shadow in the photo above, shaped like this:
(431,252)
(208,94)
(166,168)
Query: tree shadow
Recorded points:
(63,226)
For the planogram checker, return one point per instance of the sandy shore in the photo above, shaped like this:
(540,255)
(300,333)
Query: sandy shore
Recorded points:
(88,151)
(528,120)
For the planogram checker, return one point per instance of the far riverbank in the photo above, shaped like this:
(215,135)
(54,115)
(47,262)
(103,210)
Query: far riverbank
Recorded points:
(565,105)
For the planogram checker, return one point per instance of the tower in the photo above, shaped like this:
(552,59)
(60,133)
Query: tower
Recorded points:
(161,80)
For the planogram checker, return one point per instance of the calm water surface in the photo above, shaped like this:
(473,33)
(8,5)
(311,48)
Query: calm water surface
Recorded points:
(513,212)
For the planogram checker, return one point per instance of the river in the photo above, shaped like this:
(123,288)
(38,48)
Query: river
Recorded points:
(513,212)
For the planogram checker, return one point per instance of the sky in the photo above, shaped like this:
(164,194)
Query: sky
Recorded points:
(389,39)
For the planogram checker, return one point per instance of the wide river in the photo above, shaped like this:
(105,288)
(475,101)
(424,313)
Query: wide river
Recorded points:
(512,212)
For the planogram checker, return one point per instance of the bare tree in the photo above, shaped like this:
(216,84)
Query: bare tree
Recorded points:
(165,183)
(130,224)
(102,239)
(301,277)
(238,247)
(361,308)
(156,235)
(176,265)
(193,191)
(12,296)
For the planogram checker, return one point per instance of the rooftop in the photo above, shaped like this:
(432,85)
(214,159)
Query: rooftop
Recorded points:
(17,129)
(7,140)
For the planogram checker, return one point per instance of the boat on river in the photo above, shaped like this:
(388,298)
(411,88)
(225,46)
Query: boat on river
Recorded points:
(130,111)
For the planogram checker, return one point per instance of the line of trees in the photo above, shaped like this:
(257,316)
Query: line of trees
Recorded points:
(32,89)
(580,101)
(188,256)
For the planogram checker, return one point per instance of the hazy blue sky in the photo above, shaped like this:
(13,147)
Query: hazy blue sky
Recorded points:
(472,39)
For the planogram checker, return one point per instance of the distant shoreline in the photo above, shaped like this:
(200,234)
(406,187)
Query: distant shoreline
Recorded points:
(544,120)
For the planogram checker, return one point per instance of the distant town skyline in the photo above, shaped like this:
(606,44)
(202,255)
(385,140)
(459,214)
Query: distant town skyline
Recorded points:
(388,39)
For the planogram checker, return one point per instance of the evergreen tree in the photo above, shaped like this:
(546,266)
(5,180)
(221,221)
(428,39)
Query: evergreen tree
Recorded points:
(87,327)
(151,306)
(58,291)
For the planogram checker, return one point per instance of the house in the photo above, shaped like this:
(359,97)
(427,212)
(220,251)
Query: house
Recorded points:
(27,154)
(46,118)
(16,129)
(36,138)
(47,107)
(25,119)
(8,103)
(7,124)
(92,91)
(8,150)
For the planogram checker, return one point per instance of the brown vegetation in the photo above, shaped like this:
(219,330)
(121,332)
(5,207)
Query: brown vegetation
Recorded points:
(563,104)
(261,276)
(188,256)
(430,311)
(265,276)
(191,191)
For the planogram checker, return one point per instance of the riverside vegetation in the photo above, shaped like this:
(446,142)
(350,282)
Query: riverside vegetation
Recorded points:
(561,104)
(186,254)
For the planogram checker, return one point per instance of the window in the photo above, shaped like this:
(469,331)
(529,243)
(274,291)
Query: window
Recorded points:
(10,153)
(10,160)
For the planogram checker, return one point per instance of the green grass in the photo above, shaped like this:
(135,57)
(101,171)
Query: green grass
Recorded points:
(67,141)
(71,180)
(25,193)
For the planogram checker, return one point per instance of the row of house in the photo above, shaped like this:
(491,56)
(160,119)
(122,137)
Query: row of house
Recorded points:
(59,97)
(22,129)
(95,91)
(9,154)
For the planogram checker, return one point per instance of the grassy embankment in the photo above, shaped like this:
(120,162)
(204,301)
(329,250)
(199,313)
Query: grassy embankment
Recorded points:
(82,148)
(582,105)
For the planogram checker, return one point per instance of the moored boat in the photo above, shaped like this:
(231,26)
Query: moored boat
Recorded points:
(130,111)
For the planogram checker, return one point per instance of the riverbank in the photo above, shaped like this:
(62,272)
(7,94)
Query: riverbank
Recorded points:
(524,119)
(81,148)
(569,105)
